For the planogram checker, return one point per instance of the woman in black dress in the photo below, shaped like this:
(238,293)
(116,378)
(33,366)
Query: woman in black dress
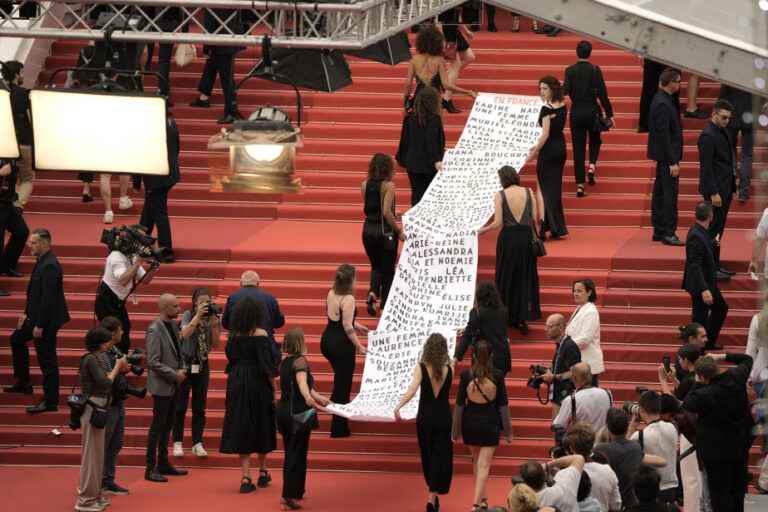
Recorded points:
(380,229)
(422,142)
(480,416)
(551,157)
(297,395)
(249,419)
(339,341)
(432,377)
(517,274)
(487,321)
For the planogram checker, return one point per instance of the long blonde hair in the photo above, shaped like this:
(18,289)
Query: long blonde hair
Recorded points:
(522,498)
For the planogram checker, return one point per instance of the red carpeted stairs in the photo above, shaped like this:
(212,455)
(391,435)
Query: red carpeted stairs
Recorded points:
(295,242)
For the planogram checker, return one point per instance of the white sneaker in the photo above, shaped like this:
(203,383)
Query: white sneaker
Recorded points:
(199,450)
(125,203)
(178,450)
(93,507)
(109,217)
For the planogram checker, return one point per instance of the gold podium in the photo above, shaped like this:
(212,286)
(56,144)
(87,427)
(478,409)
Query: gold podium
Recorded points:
(261,158)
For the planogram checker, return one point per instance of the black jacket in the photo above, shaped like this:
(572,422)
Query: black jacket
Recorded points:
(700,269)
(665,133)
(584,83)
(421,146)
(724,426)
(174,176)
(566,355)
(8,184)
(46,304)
(20,109)
(489,325)
(273,318)
(716,162)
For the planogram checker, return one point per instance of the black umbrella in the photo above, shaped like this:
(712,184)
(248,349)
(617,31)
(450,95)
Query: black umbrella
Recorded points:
(321,70)
(392,50)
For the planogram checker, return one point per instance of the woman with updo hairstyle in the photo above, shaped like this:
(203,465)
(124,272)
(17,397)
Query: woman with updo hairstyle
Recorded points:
(432,378)
(584,327)
(517,274)
(481,416)
(339,341)
(550,162)
(380,230)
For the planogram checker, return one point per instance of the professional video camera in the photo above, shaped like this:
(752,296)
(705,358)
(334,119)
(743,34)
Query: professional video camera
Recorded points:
(537,370)
(133,241)
(633,408)
(135,359)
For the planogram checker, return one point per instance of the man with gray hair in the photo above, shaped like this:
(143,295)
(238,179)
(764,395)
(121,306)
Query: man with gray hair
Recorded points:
(273,317)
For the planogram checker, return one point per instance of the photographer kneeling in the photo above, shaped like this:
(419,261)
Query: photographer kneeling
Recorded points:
(96,384)
(564,489)
(123,271)
(587,404)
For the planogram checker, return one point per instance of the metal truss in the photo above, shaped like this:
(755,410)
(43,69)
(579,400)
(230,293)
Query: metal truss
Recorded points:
(344,25)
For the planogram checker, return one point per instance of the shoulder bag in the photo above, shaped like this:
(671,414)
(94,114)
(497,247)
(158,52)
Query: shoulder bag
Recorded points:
(537,244)
(386,230)
(600,124)
(302,422)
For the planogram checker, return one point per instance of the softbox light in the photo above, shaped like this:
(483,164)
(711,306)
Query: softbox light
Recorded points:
(9,147)
(392,50)
(321,70)
(95,131)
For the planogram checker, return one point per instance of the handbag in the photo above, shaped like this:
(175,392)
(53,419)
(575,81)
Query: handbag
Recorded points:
(98,415)
(599,124)
(185,54)
(302,422)
(537,244)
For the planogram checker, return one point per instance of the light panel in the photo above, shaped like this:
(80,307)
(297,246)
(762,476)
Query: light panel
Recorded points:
(9,147)
(90,131)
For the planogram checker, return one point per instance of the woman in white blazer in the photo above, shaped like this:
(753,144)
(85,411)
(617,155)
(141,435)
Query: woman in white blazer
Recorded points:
(584,327)
(757,348)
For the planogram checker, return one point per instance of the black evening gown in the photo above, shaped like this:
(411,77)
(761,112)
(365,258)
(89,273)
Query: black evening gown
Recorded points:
(249,420)
(517,274)
(433,429)
(340,352)
(481,423)
(549,170)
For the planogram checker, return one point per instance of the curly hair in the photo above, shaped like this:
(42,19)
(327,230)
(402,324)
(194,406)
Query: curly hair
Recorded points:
(554,86)
(435,353)
(381,167)
(430,41)
(487,296)
(247,316)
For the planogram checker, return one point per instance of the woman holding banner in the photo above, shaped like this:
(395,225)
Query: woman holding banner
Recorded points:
(432,378)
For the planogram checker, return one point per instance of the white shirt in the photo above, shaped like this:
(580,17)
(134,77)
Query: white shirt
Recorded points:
(592,406)
(562,495)
(762,232)
(757,349)
(605,485)
(584,329)
(660,439)
(115,268)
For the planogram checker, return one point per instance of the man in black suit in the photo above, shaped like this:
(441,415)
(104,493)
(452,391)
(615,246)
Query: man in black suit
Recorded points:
(45,314)
(156,189)
(700,277)
(221,60)
(12,220)
(665,146)
(717,174)
(567,354)
(741,124)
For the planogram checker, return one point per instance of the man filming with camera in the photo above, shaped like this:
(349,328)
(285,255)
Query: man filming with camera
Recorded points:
(123,271)
(587,404)
(567,354)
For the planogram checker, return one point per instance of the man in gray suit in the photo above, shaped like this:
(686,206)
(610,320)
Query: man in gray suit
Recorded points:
(165,373)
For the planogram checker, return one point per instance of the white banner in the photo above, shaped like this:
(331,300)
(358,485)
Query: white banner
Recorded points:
(434,286)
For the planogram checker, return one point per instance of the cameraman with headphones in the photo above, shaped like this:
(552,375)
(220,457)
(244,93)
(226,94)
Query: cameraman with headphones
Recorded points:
(122,273)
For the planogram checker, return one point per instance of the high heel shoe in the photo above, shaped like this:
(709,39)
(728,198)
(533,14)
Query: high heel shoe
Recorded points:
(289,504)
(430,507)
(370,304)
(484,501)
(580,191)
(591,174)
(450,107)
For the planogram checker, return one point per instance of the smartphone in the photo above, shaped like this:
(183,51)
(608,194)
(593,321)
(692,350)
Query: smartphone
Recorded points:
(666,362)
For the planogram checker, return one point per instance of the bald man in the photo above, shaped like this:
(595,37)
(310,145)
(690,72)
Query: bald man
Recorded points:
(588,404)
(566,355)
(165,373)
(273,318)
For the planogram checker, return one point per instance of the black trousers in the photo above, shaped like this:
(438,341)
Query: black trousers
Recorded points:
(582,122)
(711,317)
(651,73)
(382,253)
(717,226)
(419,183)
(160,430)
(108,304)
(155,212)
(197,383)
(727,484)
(45,348)
(12,220)
(664,201)
(224,66)
(163,66)
(296,447)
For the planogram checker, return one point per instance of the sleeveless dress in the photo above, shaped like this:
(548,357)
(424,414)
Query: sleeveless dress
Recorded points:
(549,170)
(249,419)
(379,241)
(481,423)
(433,429)
(517,275)
(340,352)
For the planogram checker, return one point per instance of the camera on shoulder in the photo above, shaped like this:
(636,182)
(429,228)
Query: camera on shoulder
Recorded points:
(133,241)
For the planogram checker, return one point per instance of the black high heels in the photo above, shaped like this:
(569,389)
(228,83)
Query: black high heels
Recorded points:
(370,304)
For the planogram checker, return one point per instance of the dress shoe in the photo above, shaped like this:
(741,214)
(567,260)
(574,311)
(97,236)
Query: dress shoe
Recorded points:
(726,271)
(198,103)
(170,470)
(672,240)
(87,198)
(19,387)
(42,407)
(227,119)
(657,238)
(169,257)
(713,346)
(696,114)
(722,276)
(113,488)
(11,273)
(154,476)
